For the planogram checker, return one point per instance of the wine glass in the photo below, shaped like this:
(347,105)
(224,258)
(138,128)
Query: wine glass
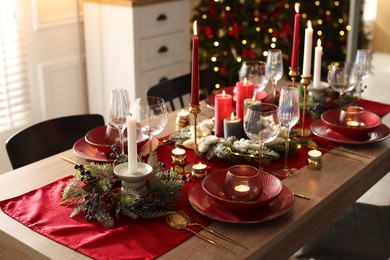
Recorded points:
(151,115)
(119,110)
(342,77)
(362,68)
(261,123)
(274,68)
(288,116)
(254,71)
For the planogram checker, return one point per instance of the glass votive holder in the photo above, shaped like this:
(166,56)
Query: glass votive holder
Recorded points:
(352,116)
(182,119)
(314,159)
(178,159)
(199,170)
(242,183)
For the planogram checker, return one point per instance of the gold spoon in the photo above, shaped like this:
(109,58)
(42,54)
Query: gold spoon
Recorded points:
(179,222)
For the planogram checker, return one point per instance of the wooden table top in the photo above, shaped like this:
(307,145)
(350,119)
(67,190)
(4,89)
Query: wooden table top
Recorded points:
(332,189)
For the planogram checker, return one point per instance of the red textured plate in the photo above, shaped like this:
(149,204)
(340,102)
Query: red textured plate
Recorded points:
(84,150)
(319,128)
(207,206)
(331,119)
(230,90)
(213,186)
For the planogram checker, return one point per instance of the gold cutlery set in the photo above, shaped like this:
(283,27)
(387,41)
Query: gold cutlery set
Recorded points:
(180,220)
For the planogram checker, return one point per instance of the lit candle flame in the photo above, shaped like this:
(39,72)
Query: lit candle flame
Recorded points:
(245,81)
(223,93)
(195,29)
(232,116)
(297,7)
(309,24)
(319,43)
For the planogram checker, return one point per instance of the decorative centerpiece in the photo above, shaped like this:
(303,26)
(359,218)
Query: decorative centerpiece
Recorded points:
(97,192)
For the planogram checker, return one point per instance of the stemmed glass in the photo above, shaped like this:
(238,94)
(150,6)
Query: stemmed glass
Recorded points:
(274,68)
(342,77)
(362,68)
(261,123)
(119,110)
(254,71)
(151,115)
(288,116)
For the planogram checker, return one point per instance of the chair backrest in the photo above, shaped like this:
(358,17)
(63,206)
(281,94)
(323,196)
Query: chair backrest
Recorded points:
(178,87)
(49,137)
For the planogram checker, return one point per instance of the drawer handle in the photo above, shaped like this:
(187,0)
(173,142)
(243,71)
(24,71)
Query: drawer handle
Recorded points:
(163,49)
(163,79)
(162,17)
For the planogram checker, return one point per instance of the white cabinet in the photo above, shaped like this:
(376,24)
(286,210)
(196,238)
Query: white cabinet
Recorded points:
(133,47)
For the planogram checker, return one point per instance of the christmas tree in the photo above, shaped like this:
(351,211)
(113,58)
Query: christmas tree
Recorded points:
(232,31)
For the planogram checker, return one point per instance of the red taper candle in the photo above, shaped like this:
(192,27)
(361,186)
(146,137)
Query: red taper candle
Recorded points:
(195,68)
(295,50)
(223,109)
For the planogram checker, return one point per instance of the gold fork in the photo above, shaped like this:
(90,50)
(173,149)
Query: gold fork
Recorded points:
(193,223)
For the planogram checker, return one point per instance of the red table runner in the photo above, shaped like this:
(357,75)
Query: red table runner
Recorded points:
(129,239)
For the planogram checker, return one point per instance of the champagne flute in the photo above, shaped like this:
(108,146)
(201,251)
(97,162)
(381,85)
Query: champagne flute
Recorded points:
(342,77)
(288,116)
(151,115)
(254,71)
(261,123)
(362,68)
(274,68)
(119,110)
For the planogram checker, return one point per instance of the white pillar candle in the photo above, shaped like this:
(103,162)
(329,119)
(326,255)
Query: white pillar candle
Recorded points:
(132,144)
(307,50)
(317,65)
(178,151)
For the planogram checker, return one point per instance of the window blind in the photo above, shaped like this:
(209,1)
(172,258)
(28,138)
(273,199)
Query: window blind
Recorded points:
(15,101)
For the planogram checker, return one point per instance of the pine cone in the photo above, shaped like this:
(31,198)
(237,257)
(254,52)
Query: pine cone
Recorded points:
(108,200)
(90,180)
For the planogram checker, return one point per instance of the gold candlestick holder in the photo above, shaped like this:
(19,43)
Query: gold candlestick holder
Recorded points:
(194,110)
(305,81)
(293,73)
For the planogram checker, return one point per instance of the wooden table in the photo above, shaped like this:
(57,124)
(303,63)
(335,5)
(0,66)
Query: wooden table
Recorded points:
(332,189)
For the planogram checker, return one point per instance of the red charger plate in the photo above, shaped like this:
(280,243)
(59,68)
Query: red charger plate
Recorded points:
(207,206)
(331,119)
(213,183)
(319,128)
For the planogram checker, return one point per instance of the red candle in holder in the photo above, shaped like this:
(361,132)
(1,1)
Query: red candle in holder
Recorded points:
(195,68)
(244,90)
(223,109)
(295,50)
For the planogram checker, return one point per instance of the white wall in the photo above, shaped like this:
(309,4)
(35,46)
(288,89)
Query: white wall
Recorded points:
(54,63)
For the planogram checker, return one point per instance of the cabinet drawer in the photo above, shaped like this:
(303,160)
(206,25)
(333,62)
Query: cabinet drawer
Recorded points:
(162,18)
(153,77)
(163,50)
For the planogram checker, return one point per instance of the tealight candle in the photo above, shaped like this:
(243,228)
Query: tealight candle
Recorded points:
(199,170)
(178,159)
(232,126)
(182,119)
(314,159)
(242,189)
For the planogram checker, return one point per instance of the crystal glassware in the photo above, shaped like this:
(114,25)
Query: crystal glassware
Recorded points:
(288,116)
(151,115)
(119,110)
(254,71)
(261,124)
(342,77)
(274,68)
(362,68)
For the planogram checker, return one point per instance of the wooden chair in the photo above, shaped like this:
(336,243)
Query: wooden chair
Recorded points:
(178,87)
(49,137)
